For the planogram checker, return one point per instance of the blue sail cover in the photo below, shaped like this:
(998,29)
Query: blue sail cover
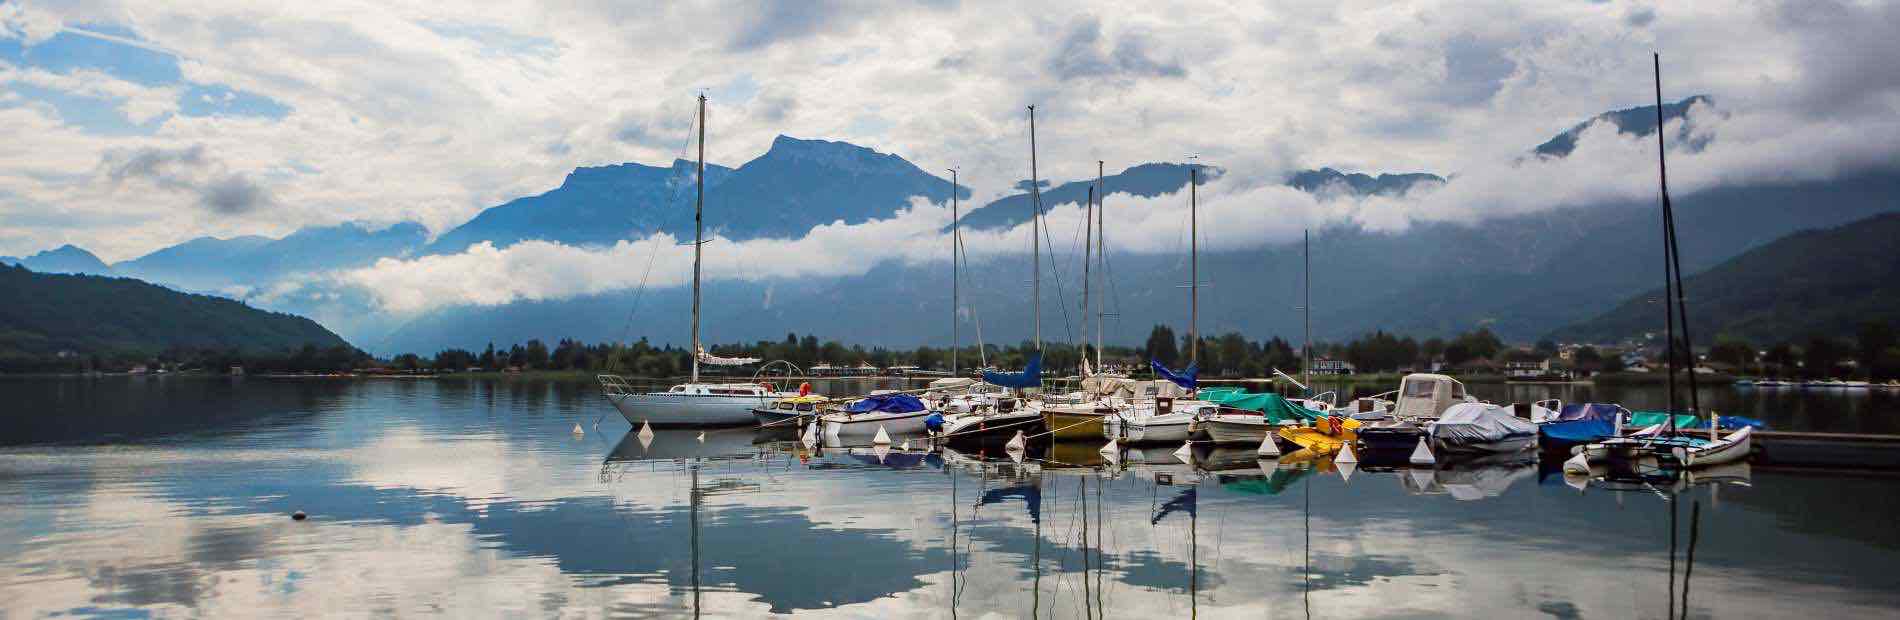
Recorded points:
(1031,376)
(1187,501)
(888,403)
(1031,496)
(1186,378)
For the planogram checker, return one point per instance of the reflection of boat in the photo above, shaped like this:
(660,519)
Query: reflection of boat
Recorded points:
(1390,436)
(668,444)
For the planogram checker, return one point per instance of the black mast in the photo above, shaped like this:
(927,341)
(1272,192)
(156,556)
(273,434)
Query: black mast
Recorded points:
(1675,300)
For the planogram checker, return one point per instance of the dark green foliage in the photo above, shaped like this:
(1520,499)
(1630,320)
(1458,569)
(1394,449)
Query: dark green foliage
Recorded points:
(49,321)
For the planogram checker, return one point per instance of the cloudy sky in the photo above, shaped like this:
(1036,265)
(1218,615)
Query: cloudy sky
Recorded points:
(132,126)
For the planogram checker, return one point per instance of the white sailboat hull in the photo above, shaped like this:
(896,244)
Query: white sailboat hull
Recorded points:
(1232,431)
(1171,428)
(663,409)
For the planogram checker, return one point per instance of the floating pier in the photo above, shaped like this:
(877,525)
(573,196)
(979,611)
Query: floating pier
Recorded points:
(1831,450)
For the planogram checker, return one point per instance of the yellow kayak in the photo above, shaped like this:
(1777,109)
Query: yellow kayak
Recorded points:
(1322,437)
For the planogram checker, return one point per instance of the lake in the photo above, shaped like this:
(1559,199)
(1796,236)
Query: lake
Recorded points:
(171,496)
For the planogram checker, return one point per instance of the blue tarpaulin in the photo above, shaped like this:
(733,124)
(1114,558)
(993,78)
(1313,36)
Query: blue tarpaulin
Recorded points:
(1589,411)
(889,403)
(1031,376)
(1186,378)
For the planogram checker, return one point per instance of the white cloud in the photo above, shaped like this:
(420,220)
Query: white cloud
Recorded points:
(432,111)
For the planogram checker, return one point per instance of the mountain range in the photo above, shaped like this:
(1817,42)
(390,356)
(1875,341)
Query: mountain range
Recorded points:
(1522,275)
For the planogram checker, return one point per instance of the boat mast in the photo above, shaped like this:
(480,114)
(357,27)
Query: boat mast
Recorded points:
(1101,252)
(1306,237)
(1088,253)
(699,205)
(955,241)
(1679,310)
(1194,268)
(1035,223)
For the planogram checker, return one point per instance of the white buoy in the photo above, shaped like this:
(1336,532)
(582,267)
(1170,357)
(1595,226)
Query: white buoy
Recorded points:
(1186,453)
(646,430)
(1345,455)
(811,435)
(1017,456)
(1578,465)
(1346,469)
(881,450)
(1110,448)
(1017,443)
(905,446)
(1269,449)
(1422,455)
(882,438)
(702,437)
(577,429)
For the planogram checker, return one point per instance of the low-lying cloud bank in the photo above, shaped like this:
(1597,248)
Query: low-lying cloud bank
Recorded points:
(1244,209)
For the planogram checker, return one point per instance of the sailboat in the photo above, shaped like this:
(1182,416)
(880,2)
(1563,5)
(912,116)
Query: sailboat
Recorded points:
(1087,419)
(693,403)
(1664,443)
(1171,418)
(1008,416)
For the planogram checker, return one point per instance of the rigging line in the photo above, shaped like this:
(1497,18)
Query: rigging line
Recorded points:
(982,355)
(1056,271)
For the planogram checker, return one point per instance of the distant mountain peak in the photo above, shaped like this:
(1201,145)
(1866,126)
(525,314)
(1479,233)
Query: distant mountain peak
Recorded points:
(836,154)
(1359,183)
(67,258)
(1638,121)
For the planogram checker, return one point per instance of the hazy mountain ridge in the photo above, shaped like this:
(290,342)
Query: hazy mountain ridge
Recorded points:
(67,258)
(209,264)
(1824,281)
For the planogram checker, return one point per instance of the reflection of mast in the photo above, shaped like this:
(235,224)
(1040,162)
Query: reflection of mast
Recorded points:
(953,544)
(1695,521)
(1088,611)
(693,496)
(1306,574)
(1194,558)
(1035,599)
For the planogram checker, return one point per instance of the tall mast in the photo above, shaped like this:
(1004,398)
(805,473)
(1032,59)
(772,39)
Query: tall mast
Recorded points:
(1672,260)
(955,300)
(1101,253)
(699,205)
(1307,305)
(1035,222)
(1088,253)
(1194,267)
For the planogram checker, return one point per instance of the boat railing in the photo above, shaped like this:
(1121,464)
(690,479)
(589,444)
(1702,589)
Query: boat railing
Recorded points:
(614,385)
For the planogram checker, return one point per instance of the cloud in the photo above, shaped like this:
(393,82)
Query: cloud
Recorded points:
(402,118)
(189,170)
(27,24)
(1081,54)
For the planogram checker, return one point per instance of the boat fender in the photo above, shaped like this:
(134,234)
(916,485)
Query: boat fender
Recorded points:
(804,389)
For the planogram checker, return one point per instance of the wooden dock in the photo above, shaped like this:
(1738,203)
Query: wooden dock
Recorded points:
(1829,450)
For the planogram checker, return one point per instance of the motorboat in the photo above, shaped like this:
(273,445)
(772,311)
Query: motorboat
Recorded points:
(1579,424)
(1325,436)
(788,411)
(1481,428)
(1163,419)
(893,413)
(1427,395)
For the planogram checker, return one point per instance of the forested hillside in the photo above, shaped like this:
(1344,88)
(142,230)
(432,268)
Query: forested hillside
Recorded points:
(50,316)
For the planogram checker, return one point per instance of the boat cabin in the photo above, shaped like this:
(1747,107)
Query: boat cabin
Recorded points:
(722,389)
(1427,395)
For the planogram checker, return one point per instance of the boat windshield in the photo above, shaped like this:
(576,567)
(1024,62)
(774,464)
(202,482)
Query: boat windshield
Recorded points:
(1419,388)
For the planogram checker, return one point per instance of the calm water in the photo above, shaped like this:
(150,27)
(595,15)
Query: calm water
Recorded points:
(168,497)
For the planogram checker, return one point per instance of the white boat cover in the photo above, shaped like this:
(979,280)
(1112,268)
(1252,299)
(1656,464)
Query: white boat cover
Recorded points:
(1475,423)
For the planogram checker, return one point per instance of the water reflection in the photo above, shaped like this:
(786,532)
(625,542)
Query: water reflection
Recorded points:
(474,499)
